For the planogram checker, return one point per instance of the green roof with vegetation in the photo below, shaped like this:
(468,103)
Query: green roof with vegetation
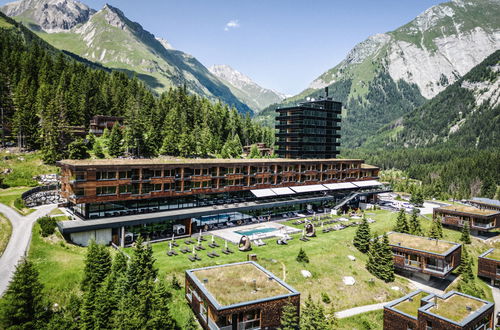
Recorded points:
(420,243)
(495,254)
(233,284)
(468,209)
(457,307)
(411,305)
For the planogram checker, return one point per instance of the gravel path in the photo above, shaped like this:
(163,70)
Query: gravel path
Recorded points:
(360,310)
(19,240)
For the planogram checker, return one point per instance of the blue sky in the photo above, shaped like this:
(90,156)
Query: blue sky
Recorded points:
(280,44)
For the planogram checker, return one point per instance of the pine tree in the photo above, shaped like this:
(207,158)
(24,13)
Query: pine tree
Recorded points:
(78,150)
(97,150)
(289,317)
(371,265)
(97,266)
(23,306)
(436,230)
(302,256)
(362,238)
(467,283)
(254,152)
(141,265)
(402,223)
(191,323)
(415,227)
(115,141)
(160,316)
(313,316)
(465,238)
(386,260)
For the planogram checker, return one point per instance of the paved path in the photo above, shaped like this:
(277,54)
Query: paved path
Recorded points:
(496,298)
(19,240)
(360,310)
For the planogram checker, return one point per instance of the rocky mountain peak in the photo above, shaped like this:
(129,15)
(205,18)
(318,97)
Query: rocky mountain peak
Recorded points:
(50,15)
(164,43)
(114,16)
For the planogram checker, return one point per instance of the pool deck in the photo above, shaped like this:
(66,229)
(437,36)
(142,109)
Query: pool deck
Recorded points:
(230,234)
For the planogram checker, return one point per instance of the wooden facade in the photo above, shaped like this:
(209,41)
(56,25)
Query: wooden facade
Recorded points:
(423,317)
(135,179)
(488,267)
(424,262)
(262,314)
(479,220)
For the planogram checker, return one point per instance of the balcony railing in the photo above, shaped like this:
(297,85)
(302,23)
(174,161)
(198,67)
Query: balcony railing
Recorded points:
(482,225)
(437,269)
(246,325)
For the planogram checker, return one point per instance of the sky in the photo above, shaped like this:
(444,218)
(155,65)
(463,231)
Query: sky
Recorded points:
(280,44)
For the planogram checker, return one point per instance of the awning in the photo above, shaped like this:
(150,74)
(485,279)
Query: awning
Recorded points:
(283,191)
(340,186)
(309,188)
(262,192)
(369,183)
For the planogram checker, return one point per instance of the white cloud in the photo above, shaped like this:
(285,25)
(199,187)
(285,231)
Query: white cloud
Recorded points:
(232,24)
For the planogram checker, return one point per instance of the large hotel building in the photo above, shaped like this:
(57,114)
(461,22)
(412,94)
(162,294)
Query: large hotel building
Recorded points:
(115,200)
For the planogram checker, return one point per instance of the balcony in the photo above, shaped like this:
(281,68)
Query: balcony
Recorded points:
(437,269)
(412,263)
(245,325)
(482,225)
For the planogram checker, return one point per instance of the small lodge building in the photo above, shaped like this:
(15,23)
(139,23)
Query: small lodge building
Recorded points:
(422,310)
(480,220)
(238,296)
(488,266)
(99,123)
(485,203)
(424,257)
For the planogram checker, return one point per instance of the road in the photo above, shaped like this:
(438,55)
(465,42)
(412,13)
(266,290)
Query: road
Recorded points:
(496,298)
(359,310)
(19,240)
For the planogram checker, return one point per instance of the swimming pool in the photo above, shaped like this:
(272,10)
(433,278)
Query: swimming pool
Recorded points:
(255,231)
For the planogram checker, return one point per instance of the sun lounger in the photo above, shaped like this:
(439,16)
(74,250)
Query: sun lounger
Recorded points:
(185,250)
(191,258)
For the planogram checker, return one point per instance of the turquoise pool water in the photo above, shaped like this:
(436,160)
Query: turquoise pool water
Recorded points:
(255,231)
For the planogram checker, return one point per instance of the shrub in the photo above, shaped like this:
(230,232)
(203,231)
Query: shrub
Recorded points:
(19,203)
(47,226)
(302,256)
(325,298)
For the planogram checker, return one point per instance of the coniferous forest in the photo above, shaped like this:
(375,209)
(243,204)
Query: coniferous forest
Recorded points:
(45,93)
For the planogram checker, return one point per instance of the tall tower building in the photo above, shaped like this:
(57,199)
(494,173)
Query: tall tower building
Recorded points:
(310,129)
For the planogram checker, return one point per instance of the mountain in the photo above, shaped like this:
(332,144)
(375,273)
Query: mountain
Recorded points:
(108,37)
(255,96)
(466,114)
(390,74)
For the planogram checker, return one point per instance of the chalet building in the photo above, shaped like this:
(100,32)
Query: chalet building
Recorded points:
(424,257)
(422,310)
(264,150)
(488,266)
(480,220)
(309,130)
(99,123)
(485,203)
(115,200)
(238,296)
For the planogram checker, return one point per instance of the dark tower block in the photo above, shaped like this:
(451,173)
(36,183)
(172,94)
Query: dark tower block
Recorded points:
(309,130)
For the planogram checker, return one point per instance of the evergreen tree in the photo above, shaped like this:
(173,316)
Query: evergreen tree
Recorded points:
(115,141)
(362,238)
(465,238)
(141,265)
(289,317)
(302,256)
(313,316)
(415,227)
(97,150)
(436,230)
(386,260)
(23,306)
(88,309)
(417,198)
(372,265)
(254,152)
(467,283)
(78,150)
(160,316)
(97,266)
(402,223)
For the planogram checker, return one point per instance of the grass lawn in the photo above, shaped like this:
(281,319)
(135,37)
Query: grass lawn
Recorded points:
(61,264)
(5,232)
(411,307)
(8,197)
(371,320)
(455,307)
(24,166)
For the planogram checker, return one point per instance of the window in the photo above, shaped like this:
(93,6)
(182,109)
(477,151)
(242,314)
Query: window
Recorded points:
(147,188)
(106,190)
(157,187)
(106,175)
(168,172)
(125,189)
(168,186)
(79,192)
(157,174)
(201,184)
(147,174)
(428,325)
(80,176)
(124,175)
(189,294)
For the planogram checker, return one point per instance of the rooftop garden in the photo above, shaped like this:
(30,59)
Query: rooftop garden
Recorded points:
(239,283)
(495,254)
(456,307)
(420,243)
(469,209)
(411,305)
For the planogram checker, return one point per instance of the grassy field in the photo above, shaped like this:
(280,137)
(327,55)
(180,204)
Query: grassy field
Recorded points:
(8,197)
(61,264)
(5,232)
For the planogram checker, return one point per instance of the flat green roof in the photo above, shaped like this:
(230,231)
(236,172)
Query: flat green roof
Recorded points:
(411,305)
(419,243)
(456,307)
(468,209)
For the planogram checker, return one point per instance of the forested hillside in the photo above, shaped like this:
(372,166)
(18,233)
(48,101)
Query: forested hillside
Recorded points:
(44,92)
(466,114)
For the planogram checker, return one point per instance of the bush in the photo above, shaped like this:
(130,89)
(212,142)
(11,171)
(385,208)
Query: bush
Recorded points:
(302,256)
(325,298)
(19,203)
(47,226)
